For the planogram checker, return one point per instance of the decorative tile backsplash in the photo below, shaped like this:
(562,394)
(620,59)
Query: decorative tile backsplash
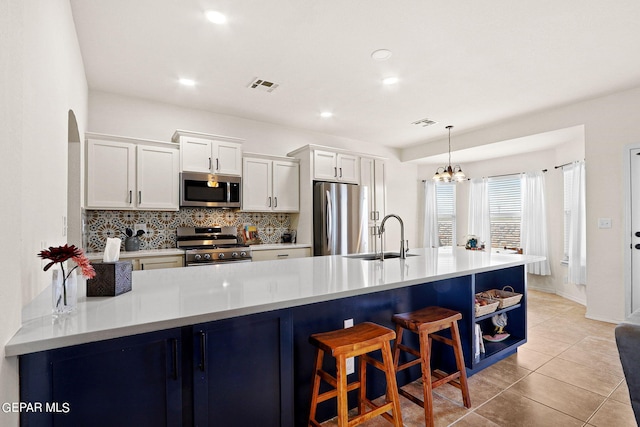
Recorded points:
(161,226)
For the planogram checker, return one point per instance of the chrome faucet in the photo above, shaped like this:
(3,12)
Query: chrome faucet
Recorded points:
(403,248)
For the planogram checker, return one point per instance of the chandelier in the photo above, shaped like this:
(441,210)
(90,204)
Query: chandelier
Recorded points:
(447,173)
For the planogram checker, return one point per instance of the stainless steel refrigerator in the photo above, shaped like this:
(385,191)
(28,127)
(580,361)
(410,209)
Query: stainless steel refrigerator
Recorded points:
(339,219)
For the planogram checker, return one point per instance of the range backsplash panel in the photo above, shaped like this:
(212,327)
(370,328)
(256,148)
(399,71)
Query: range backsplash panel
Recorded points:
(161,226)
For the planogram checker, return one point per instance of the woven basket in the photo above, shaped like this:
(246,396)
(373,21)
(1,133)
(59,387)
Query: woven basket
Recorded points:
(492,305)
(505,297)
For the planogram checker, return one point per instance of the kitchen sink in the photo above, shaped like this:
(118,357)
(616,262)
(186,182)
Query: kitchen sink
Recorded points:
(372,257)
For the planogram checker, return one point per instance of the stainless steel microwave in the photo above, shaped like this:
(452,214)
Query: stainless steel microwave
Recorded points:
(208,190)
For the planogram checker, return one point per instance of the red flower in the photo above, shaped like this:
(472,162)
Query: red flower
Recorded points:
(61,254)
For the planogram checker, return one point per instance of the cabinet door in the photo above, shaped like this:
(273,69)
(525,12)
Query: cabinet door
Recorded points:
(256,185)
(134,381)
(157,178)
(324,165)
(286,186)
(380,188)
(110,174)
(347,168)
(243,371)
(195,155)
(154,263)
(227,158)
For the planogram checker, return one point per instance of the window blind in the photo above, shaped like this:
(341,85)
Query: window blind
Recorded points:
(446,204)
(505,208)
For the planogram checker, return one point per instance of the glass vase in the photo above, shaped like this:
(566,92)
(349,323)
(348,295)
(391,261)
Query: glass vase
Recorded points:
(64,292)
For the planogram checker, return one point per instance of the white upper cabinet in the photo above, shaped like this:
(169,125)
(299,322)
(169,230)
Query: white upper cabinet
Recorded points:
(332,166)
(372,181)
(209,153)
(270,184)
(131,175)
(157,178)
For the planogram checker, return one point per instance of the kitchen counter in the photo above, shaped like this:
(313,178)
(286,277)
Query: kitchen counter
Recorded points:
(169,298)
(98,256)
(276,246)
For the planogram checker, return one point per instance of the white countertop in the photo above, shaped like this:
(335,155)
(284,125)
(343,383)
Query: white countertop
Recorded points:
(168,298)
(98,256)
(276,246)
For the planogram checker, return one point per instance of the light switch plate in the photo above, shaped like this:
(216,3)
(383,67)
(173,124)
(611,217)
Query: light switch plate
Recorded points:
(142,227)
(604,222)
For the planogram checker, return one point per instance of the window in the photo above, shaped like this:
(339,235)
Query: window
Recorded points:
(446,203)
(505,209)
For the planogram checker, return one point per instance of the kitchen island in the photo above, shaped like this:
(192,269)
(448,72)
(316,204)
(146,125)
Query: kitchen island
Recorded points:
(224,337)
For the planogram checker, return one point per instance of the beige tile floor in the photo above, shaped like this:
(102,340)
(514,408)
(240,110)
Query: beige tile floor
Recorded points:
(567,374)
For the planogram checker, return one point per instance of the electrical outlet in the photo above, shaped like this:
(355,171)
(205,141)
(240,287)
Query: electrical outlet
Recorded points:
(142,227)
(351,366)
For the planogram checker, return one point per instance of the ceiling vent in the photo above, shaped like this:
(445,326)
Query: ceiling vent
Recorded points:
(263,85)
(424,122)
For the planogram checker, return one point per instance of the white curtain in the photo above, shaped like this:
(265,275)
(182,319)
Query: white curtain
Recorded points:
(533,226)
(578,231)
(430,236)
(479,215)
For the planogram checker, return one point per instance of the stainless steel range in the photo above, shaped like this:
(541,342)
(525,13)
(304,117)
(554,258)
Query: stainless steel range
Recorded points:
(211,245)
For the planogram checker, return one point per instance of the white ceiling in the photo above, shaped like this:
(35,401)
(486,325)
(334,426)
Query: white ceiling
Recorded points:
(468,63)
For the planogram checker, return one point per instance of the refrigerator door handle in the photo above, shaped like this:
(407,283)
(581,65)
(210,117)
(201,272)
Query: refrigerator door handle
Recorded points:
(329,223)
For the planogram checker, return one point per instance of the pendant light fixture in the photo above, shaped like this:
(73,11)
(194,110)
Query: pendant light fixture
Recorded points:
(447,173)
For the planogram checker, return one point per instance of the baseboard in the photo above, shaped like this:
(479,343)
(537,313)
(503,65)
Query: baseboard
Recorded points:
(573,298)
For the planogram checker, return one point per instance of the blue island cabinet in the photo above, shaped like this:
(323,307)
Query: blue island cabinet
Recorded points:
(243,371)
(131,381)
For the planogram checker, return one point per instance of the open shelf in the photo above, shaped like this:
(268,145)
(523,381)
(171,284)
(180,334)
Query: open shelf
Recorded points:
(501,310)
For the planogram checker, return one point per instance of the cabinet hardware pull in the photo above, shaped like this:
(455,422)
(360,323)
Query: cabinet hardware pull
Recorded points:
(335,171)
(283,255)
(340,172)
(217,164)
(140,197)
(269,201)
(209,163)
(275,205)
(203,354)
(130,195)
(174,354)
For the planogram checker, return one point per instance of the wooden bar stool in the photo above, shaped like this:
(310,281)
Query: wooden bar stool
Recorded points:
(425,322)
(342,344)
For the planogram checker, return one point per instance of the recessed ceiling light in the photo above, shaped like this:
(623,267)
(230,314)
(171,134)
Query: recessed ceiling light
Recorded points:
(215,17)
(187,82)
(326,114)
(381,54)
(390,80)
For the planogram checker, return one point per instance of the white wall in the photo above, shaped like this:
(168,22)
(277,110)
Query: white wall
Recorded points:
(42,79)
(133,117)
(609,125)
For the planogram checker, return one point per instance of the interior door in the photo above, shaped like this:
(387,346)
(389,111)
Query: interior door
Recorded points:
(635,229)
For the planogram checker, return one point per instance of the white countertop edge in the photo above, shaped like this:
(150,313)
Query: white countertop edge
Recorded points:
(98,256)
(19,347)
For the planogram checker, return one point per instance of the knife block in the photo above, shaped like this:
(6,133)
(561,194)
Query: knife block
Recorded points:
(112,278)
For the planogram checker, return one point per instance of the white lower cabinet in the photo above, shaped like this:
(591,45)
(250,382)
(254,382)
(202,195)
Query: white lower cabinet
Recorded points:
(276,254)
(157,262)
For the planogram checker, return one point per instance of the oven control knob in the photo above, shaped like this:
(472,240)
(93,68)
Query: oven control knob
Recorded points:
(197,257)
(207,256)
(234,255)
(221,255)
(243,254)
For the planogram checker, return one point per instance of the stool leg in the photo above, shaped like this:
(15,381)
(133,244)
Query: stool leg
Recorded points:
(362,393)
(425,352)
(396,346)
(392,386)
(316,386)
(457,349)
(341,379)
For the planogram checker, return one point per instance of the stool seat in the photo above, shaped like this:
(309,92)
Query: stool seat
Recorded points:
(425,322)
(350,341)
(358,340)
(432,319)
